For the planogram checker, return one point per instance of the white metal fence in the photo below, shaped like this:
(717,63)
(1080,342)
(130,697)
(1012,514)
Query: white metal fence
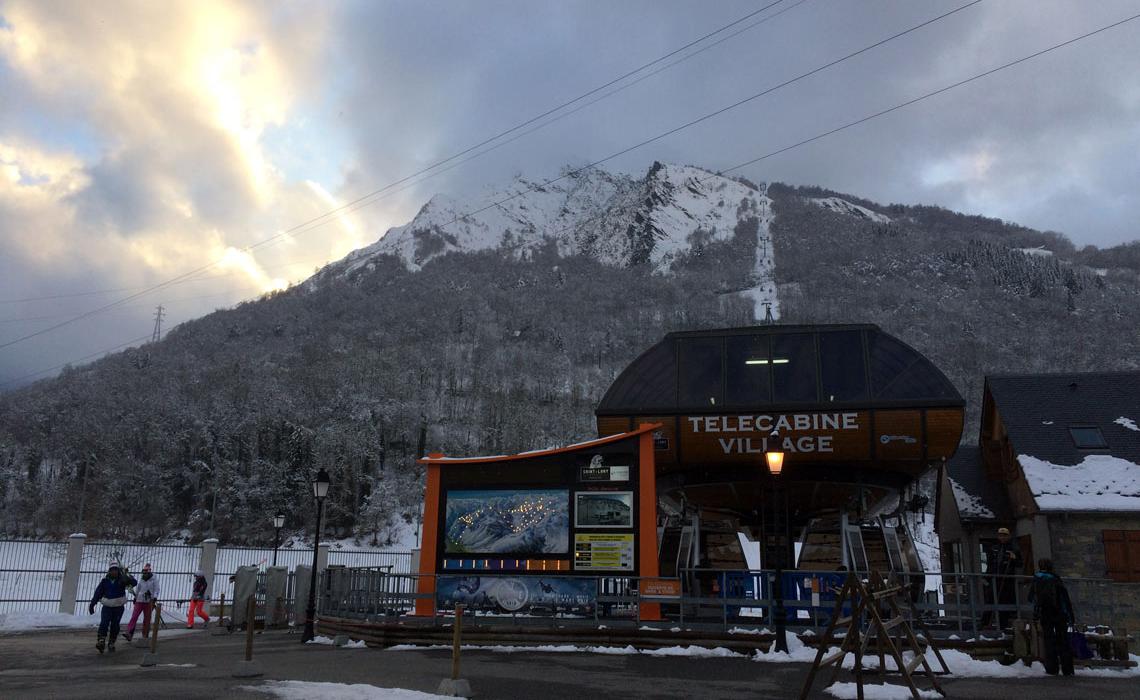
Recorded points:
(32,573)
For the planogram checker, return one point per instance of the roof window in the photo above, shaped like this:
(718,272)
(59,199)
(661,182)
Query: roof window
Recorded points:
(1087,437)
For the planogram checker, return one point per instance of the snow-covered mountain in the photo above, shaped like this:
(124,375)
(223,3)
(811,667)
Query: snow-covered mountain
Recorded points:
(618,220)
(497,331)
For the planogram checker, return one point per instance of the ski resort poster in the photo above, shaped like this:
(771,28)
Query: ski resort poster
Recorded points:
(518,594)
(508,522)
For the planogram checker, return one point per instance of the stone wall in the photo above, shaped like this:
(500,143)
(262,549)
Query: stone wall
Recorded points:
(1078,553)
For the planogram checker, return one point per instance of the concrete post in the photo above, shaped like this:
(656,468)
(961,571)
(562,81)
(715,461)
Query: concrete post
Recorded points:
(301,575)
(69,591)
(276,580)
(207,560)
(245,588)
(322,557)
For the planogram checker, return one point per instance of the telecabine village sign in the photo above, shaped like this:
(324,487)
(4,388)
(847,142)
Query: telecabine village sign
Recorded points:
(790,433)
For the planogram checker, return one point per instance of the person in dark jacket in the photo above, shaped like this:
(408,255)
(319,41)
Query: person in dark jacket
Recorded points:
(1003,562)
(1054,610)
(198,601)
(112,594)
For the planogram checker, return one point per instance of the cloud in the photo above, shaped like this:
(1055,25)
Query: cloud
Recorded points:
(140,140)
(157,160)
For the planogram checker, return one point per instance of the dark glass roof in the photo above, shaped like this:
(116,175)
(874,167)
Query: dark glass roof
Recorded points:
(777,367)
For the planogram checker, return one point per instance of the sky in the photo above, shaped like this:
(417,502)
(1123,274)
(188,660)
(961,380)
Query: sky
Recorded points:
(145,142)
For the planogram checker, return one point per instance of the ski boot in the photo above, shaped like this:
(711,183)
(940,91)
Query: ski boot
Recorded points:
(99,644)
(111,646)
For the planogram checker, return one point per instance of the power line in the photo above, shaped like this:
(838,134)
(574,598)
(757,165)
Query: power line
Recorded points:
(359,204)
(131,307)
(821,135)
(933,93)
(94,292)
(81,359)
(356,204)
(711,115)
(325,217)
(889,110)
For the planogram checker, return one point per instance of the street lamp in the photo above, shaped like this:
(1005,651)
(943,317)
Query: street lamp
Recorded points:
(320,490)
(775,460)
(278,523)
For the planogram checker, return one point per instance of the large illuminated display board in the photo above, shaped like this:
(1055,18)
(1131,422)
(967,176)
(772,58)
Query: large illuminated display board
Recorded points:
(491,523)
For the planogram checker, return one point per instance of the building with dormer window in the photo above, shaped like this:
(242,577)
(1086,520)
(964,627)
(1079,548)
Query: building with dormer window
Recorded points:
(1058,463)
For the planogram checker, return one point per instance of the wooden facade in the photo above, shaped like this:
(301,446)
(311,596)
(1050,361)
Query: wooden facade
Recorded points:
(851,408)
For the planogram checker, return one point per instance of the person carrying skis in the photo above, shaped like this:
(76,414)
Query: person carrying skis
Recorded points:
(1054,610)
(198,601)
(146,595)
(112,593)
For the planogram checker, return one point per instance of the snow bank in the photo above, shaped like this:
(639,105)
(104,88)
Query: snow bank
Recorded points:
(24,621)
(688,651)
(798,652)
(1099,483)
(327,641)
(303,690)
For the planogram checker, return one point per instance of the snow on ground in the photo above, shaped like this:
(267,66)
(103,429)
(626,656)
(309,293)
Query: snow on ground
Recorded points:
(1099,483)
(688,651)
(969,505)
(24,621)
(842,206)
(1039,251)
(1127,423)
(960,663)
(303,690)
(329,641)
(872,691)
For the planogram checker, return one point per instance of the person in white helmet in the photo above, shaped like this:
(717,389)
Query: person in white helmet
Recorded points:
(146,595)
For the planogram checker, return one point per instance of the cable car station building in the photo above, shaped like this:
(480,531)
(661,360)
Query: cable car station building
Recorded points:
(682,475)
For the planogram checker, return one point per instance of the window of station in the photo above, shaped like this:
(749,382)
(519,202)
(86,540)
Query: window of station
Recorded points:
(794,368)
(747,370)
(842,369)
(701,372)
(1088,437)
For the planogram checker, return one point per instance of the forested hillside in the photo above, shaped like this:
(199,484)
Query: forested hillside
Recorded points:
(490,351)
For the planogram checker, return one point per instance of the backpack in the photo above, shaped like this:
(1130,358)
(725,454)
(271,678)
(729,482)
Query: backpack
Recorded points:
(1047,593)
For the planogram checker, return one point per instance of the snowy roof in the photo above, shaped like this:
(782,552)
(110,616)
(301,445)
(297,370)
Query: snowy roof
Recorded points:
(1037,411)
(977,497)
(1098,483)
(970,506)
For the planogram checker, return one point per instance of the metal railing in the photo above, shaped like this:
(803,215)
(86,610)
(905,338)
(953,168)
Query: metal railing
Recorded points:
(31,575)
(32,572)
(962,606)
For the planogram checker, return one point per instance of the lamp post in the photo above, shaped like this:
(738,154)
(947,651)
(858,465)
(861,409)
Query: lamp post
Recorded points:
(278,523)
(775,460)
(320,490)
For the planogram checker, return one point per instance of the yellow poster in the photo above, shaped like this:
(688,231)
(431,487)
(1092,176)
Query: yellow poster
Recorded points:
(601,551)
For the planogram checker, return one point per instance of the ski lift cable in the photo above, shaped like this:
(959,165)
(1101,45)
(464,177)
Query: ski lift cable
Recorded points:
(339,211)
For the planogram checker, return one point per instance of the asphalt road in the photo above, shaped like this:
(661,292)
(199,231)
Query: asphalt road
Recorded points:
(64,664)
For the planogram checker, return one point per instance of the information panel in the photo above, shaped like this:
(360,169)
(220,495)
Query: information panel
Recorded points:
(609,552)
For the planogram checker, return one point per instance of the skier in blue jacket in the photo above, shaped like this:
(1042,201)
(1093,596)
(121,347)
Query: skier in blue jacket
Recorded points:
(112,593)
